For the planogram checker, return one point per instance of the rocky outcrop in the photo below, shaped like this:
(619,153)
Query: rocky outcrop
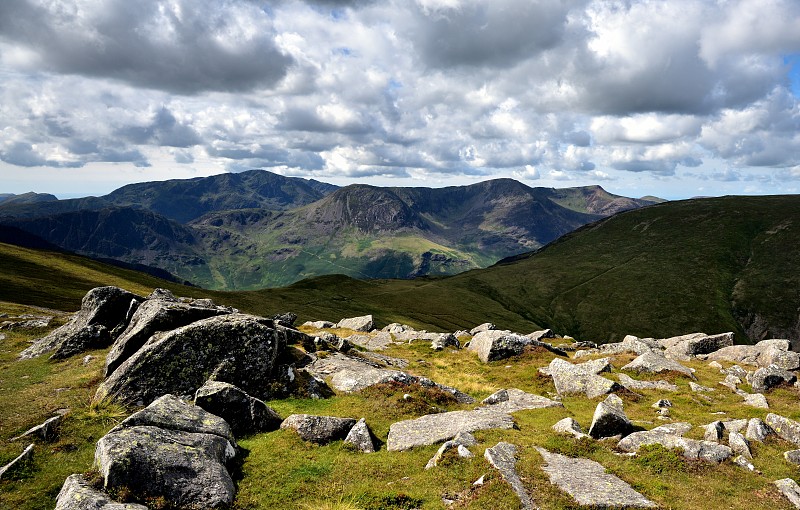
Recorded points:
(318,324)
(435,428)
(670,436)
(444,340)
(493,345)
(686,346)
(104,313)
(589,484)
(513,400)
(767,378)
(785,428)
(503,457)
(634,385)
(170,450)
(319,429)
(152,316)
(609,419)
(237,348)
(244,414)
(762,354)
(652,362)
(77,494)
(583,378)
(363,323)
(486,326)
(757,430)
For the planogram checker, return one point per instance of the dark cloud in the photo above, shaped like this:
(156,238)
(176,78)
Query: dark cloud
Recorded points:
(164,130)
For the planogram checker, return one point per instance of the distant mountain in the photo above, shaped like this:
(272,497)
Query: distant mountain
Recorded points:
(26,198)
(258,229)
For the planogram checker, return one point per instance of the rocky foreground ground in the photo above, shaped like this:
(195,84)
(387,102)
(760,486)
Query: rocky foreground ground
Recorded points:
(200,375)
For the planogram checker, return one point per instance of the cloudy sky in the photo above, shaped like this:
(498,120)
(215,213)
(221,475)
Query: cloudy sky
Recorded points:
(675,98)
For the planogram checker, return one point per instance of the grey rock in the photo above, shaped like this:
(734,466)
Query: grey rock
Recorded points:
(360,437)
(792,456)
(45,431)
(731,381)
(362,323)
(493,345)
(684,347)
(435,428)
(187,469)
(486,326)
(318,324)
(104,313)
(540,335)
(745,463)
(669,438)
(570,426)
(152,316)
(244,414)
(699,388)
(286,319)
(77,494)
(737,371)
(445,340)
(460,443)
(634,385)
(714,431)
(739,445)
(571,379)
(763,354)
(790,490)
(502,457)
(27,324)
(652,362)
(756,400)
(609,419)
(237,348)
(785,428)
(757,430)
(319,429)
(513,400)
(661,404)
(735,425)
(589,484)
(767,378)
(22,461)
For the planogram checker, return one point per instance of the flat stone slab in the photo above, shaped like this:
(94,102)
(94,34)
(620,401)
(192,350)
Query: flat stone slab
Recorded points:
(436,428)
(503,457)
(589,484)
(513,400)
(635,385)
(655,363)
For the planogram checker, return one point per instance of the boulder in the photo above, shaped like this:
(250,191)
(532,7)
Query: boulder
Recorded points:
(670,436)
(609,419)
(445,340)
(503,457)
(104,313)
(634,385)
(369,342)
(244,414)
(493,345)
(735,425)
(755,400)
(714,431)
(570,426)
(684,347)
(285,319)
(237,348)
(363,323)
(486,326)
(22,461)
(757,430)
(360,437)
(543,334)
(435,428)
(698,388)
(764,379)
(790,490)
(652,362)
(152,316)
(77,494)
(739,445)
(319,429)
(513,400)
(572,379)
(763,354)
(589,484)
(318,324)
(461,442)
(785,428)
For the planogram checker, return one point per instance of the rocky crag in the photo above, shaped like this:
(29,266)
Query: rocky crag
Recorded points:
(199,377)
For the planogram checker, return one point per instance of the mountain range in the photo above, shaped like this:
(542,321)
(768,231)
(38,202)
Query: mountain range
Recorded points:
(258,229)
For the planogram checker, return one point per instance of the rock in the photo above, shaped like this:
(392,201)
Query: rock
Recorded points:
(652,362)
(686,346)
(671,437)
(609,419)
(363,323)
(445,340)
(767,378)
(790,489)
(571,379)
(661,403)
(714,431)
(104,313)
(745,463)
(319,429)
(792,456)
(543,334)
(360,437)
(45,431)
(152,316)
(763,354)
(513,400)
(486,326)
(739,445)
(377,342)
(757,430)
(731,381)
(715,364)
(634,385)
(244,414)
(735,425)
(24,460)
(187,469)
(785,428)
(589,484)
(237,348)
(502,457)
(570,426)
(285,319)
(698,388)
(460,443)
(435,428)
(77,494)
(27,324)
(737,371)
(493,345)
(318,324)
(330,342)
(756,400)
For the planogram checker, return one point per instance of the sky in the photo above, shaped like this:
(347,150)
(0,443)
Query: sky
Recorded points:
(673,98)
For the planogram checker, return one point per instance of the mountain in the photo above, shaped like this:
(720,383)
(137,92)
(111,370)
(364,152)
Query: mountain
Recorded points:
(26,198)
(257,229)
